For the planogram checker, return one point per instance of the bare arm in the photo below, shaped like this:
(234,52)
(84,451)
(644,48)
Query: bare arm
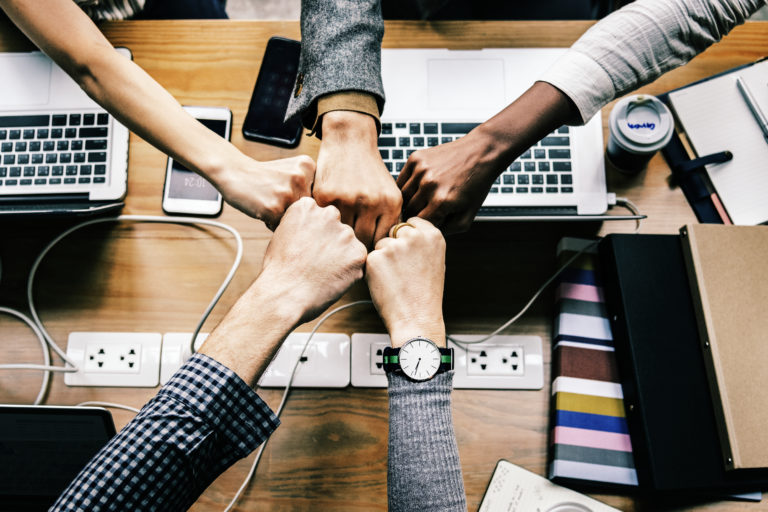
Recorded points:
(633,46)
(63,31)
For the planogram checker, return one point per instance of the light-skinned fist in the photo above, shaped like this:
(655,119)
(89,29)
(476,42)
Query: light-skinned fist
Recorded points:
(351,176)
(312,258)
(265,190)
(406,277)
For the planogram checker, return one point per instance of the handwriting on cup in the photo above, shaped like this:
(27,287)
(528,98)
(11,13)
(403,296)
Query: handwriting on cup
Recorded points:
(639,126)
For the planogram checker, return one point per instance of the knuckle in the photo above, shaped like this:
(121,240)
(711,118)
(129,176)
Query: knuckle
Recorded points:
(332,212)
(362,254)
(322,197)
(298,180)
(305,161)
(394,199)
(442,196)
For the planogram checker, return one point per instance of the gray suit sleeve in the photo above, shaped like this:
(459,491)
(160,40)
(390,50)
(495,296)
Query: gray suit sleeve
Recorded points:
(340,51)
(638,43)
(424,472)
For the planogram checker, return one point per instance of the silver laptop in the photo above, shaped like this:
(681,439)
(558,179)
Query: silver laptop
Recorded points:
(60,152)
(436,96)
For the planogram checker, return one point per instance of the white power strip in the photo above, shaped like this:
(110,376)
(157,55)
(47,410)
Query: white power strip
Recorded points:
(326,365)
(504,362)
(119,359)
(331,361)
(176,351)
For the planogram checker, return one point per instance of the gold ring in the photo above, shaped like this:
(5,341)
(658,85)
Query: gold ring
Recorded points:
(396,228)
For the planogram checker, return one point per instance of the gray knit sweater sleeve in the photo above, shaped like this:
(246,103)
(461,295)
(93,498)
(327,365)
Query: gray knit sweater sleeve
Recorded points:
(340,51)
(424,473)
(638,43)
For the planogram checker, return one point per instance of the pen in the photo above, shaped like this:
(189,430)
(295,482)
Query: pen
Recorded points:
(753,106)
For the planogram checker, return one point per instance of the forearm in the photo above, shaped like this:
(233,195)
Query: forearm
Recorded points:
(638,43)
(119,85)
(250,334)
(424,472)
(197,426)
(146,108)
(202,421)
(536,113)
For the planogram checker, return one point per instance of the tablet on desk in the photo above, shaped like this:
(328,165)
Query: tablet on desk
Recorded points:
(43,448)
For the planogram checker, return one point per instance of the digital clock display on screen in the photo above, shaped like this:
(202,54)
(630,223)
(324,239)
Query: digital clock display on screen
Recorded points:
(185,184)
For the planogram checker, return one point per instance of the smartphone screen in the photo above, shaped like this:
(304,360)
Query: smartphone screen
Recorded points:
(187,192)
(273,90)
(185,184)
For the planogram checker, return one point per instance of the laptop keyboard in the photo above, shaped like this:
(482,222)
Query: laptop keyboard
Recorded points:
(48,152)
(546,168)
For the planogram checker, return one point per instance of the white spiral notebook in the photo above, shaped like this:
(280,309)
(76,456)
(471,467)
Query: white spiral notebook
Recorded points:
(716,118)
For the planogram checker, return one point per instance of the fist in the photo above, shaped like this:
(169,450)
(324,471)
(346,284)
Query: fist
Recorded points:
(406,276)
(351,176)
(266,189)
(313,257)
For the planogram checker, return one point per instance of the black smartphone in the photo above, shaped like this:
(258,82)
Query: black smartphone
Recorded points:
(269,102)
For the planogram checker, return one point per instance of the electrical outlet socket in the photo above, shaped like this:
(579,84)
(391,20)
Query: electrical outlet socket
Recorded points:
(116,359)
(495,360)
(326,365)
(365,354)
(502,362)
(176,351)
(511,362)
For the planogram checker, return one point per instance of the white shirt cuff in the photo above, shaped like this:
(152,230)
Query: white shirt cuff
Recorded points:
(583,80)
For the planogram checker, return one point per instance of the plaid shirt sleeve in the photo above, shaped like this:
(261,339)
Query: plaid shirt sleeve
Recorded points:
(202,421)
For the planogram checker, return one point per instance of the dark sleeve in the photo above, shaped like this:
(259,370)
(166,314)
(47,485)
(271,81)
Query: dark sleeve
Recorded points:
(340,51)
(202,421)
(424,473)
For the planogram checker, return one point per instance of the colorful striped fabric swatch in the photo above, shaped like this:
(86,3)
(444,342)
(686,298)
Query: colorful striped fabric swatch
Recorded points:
(589,437)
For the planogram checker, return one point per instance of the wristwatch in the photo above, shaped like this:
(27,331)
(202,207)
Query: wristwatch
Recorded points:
(418,359)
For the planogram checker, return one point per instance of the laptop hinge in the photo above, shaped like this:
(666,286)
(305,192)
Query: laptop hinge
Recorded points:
(44,198)
(512,211)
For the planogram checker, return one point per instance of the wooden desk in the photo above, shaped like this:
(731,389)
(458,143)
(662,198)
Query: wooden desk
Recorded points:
(330,453)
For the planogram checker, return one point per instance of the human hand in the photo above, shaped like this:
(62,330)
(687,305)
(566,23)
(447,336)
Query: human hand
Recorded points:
(351,176)
(405,277)
(312,258)
(447,184)
(310,262)
(265,189)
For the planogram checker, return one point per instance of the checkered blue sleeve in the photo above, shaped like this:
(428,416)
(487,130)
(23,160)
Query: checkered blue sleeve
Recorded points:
(202,421)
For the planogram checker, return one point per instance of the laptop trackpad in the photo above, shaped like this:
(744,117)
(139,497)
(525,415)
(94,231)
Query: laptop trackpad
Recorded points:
(465,84)
(33,88)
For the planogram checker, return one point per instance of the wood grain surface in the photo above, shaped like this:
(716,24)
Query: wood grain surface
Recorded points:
(330,452)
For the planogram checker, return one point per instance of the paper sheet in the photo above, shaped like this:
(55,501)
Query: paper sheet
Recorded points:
(716,118)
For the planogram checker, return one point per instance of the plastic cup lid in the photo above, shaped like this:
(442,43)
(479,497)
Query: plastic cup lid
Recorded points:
(642,123)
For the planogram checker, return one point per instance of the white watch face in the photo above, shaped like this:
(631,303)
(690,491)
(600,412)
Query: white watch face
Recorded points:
(420,359)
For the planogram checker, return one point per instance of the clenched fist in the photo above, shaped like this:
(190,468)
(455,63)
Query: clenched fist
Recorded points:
(405,277)
(266,189)
(312,258)
(352,176)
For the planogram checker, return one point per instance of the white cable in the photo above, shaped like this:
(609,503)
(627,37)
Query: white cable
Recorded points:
(285,396)
(37,325)
(514,319)
(46,367)
(632,207)
(621,201)
(136,218)
(108,404)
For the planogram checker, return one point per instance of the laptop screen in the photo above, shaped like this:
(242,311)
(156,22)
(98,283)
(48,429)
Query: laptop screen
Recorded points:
(42,449)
